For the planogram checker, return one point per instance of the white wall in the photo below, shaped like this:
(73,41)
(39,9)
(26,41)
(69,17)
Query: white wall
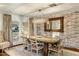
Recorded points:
(15,18)
(1,22)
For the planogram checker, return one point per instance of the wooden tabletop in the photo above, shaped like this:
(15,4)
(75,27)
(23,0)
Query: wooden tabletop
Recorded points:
(44,39)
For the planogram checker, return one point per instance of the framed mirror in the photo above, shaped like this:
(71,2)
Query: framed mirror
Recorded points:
(55,24)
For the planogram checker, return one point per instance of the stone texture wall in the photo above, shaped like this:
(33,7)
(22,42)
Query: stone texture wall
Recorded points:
(71,30)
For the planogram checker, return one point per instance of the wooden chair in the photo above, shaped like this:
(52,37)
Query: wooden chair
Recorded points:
(56,48)
(37,46)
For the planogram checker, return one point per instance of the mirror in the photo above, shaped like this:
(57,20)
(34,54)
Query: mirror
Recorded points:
(55,24)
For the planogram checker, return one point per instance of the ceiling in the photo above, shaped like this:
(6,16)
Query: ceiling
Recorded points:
(21,8)
(36,9)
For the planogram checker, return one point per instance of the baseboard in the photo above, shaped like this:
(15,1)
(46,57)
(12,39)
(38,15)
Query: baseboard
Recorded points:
(73,49)
(15,45)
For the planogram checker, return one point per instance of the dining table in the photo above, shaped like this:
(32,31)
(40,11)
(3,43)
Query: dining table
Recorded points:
(46,40)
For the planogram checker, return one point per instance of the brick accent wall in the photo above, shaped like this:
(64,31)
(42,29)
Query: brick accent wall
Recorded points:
(71,30)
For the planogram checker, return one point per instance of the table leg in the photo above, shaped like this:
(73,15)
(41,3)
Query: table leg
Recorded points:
(45,49)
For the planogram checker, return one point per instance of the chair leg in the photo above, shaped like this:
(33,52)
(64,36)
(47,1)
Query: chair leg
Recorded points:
(62,52)
(2,52)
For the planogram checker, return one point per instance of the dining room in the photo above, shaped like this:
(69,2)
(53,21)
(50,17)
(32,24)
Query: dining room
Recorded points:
(39,29)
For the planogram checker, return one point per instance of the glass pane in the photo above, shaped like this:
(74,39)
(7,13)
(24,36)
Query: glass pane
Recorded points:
(15,31)
(56,24)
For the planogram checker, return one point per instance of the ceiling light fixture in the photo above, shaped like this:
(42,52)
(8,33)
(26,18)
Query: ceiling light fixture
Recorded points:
(51,5)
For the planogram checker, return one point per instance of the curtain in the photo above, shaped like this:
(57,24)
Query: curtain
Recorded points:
(7,27)
(31,26)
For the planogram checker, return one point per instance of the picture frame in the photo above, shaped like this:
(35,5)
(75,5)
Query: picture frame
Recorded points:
(54,24)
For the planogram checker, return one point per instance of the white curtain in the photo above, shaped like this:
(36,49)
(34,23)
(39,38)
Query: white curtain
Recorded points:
(7,27)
